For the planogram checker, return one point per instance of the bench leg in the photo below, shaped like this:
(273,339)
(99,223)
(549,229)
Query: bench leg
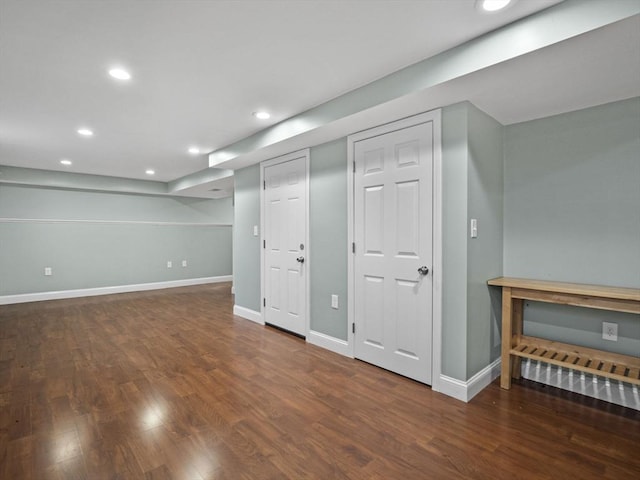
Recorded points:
(507,330)
(516,313)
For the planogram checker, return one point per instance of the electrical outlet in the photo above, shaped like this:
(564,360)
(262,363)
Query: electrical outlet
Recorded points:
(610,331)
(184,263)
(48,271)
(334,301)
(169,264)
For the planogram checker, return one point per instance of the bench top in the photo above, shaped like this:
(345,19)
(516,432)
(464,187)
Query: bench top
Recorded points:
(619,293)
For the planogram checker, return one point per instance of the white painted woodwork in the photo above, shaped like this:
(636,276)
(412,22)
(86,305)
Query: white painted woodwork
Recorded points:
(285,225)
(393,234)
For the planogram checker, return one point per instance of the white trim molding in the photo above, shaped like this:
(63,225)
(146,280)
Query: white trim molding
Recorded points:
(90,292)
(112,222)
(465,391)
(330,343)
(248,314)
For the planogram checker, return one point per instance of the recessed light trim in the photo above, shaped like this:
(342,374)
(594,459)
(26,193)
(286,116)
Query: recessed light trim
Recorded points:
(85,132)
(492,5)
(120,73)
(66,162)
(150,171)
(194,150)
(262,115)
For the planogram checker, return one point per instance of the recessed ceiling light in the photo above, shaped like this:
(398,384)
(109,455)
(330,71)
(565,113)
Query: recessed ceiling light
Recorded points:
(65,162)
(262,115)
(493,5)
(194,150)
(120,74)
(150,172)
(85,132)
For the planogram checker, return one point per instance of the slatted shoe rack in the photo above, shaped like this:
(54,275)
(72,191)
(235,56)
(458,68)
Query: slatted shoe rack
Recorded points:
(515,345)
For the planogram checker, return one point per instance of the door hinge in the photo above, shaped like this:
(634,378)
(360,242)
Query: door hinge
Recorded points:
(264,244)
(353,247)
(354,166)
(264,302)
(264,184)
(353,328)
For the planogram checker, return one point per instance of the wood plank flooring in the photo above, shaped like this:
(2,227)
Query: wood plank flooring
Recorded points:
(170,385)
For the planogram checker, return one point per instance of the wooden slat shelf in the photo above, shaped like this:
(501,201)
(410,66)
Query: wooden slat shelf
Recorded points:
(603,364)
(516,346)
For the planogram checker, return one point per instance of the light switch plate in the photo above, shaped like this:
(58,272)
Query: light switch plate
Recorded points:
(334,301)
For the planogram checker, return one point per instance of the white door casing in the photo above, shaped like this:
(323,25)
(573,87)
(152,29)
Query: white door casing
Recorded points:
(285,242)
(392,304)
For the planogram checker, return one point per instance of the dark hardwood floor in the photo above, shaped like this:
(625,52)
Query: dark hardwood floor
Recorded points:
(170,385)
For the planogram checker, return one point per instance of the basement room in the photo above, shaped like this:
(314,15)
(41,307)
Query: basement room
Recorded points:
(319,239)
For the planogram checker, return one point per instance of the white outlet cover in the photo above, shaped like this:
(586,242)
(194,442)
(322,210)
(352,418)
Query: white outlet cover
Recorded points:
(169,264)
(610,331)
(184,263)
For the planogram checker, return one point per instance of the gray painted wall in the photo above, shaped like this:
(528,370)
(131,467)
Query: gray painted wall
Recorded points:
(454,240)
(94,239)
(472,179)
(472,185)
(18,201)
(572,213)
(571,197)
(328,225)
(328,237)
(484,253)
(246,246)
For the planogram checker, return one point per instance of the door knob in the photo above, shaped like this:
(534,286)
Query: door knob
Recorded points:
(300,259)
(423,270)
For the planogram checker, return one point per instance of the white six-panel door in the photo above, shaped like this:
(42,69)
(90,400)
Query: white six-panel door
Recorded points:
(285,249)
(393,233)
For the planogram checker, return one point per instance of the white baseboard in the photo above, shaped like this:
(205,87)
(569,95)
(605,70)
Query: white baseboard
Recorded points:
(333,344)
(90,292)
(611,391)
(466,390)
(248,314)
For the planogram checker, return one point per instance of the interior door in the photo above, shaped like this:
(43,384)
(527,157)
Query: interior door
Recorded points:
(285,302)
(393,225)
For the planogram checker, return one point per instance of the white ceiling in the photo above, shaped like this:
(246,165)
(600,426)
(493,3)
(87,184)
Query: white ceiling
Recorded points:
(200,68)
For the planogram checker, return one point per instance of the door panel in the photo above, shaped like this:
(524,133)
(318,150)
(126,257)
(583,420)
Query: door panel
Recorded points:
(407,312)
(285,236)
(374,219)
(393,235)
(373,321)
(274,288)
(408,219)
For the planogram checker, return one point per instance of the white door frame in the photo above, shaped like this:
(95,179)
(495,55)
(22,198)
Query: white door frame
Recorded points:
(307,263)
(434,116)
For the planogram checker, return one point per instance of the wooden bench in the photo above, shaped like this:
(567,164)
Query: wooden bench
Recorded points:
(516,346)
